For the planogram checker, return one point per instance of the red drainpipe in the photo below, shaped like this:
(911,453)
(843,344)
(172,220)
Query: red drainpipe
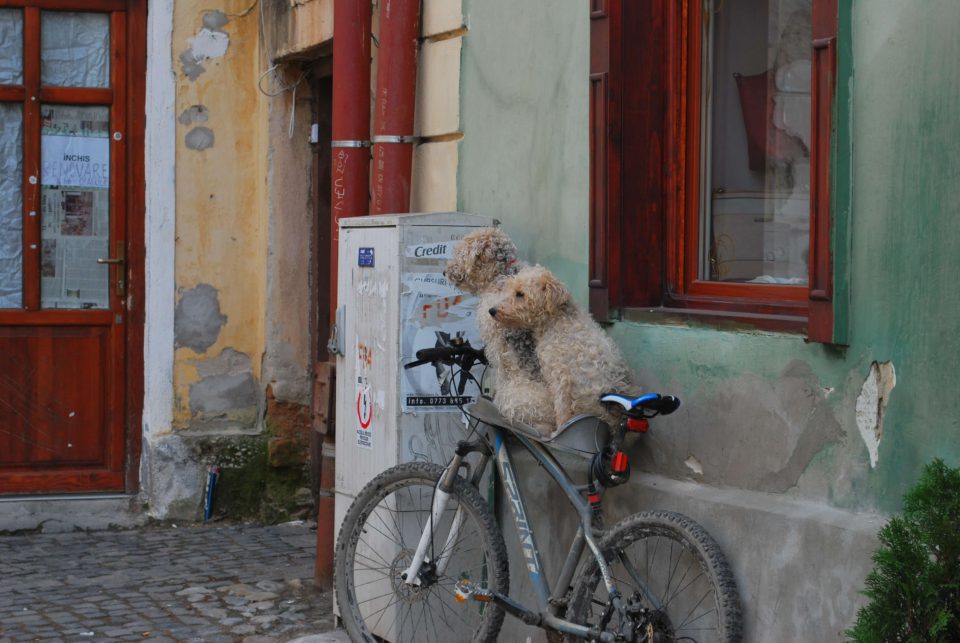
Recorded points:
(350,197)
(396,96)
(350,129)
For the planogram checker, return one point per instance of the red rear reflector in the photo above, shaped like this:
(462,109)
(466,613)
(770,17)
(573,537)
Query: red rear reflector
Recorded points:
(638,425)
(593,498)
(619,462)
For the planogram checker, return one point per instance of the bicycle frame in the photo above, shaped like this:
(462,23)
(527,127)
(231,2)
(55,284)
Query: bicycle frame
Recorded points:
(548,603)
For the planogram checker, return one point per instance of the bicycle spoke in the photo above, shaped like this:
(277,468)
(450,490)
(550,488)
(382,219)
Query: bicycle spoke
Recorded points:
(371,569)
(666,590)
(694,608)
(375,528)
(396,612)
(457,613)
(680,585)
(370,582)
(375,598)
(682,626)
(395,528)
(384,611)
(433,622)
(375,561)
(692,581)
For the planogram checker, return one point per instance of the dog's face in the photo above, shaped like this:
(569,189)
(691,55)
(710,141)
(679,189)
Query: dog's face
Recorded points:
(530,299)
(480,260)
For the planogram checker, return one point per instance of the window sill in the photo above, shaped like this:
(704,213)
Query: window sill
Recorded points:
(720,320)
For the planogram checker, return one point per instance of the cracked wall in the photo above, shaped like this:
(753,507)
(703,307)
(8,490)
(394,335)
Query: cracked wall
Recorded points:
(872,406)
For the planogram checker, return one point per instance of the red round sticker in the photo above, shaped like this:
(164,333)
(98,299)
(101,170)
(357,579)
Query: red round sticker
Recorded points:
(364,408)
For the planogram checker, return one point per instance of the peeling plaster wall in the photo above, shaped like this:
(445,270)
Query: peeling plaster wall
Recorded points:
(218,289)
(221,221)
(767,418)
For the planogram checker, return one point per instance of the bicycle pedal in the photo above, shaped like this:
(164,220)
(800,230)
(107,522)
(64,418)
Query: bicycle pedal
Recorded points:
(465,591)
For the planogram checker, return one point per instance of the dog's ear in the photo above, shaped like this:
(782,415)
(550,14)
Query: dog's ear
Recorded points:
(555,293)
(489,245)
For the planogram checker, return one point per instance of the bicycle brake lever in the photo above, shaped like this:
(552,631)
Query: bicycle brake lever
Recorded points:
(465,367)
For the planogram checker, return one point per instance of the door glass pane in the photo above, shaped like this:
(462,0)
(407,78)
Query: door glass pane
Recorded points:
(74,49)
(11,206)
(11,47)
(75,206)
(756,156)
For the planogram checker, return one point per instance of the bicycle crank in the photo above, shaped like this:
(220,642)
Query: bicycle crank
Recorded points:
(465,590)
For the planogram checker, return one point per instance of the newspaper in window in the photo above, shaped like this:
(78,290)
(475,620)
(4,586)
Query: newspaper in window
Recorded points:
(75,234)
(75,207)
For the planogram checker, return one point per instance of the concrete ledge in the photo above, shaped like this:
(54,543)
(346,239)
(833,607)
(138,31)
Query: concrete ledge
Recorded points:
(63,513)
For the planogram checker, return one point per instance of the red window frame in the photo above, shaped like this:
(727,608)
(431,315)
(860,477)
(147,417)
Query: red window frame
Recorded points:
(644,179)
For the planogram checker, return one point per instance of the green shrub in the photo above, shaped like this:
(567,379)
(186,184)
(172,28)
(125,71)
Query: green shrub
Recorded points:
(914,587)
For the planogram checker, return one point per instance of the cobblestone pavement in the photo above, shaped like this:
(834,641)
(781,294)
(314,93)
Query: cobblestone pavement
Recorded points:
(235,583)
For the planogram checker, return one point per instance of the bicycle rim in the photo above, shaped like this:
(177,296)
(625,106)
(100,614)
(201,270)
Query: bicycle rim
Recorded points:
(381,546)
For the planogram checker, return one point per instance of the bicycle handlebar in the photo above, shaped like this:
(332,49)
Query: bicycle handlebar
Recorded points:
(448,355)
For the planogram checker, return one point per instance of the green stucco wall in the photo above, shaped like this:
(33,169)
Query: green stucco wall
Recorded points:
(525,153)
(905,255)
(765,412)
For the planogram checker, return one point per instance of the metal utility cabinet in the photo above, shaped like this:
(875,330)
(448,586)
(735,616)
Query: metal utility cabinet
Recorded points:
(393,300)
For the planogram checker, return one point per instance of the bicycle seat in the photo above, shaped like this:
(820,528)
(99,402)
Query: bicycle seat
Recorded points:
(581,435)
(662,404)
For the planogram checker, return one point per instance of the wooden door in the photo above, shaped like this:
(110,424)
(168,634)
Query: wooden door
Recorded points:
(65,251)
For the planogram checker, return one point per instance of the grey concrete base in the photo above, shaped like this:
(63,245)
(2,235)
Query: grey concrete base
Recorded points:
(55,514)
(799,565)
(338,636)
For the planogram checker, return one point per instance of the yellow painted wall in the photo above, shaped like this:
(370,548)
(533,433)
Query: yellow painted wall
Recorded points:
(220,200)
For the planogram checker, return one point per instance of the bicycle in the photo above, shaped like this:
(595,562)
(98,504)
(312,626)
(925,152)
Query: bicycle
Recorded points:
(420,557)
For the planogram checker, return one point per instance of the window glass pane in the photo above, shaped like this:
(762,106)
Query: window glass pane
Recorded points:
(11,206)
(75,206)
(11,47)
(756,156)
(74,49)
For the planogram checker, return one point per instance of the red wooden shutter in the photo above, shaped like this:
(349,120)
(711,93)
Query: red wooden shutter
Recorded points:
(604,155)
(820,323)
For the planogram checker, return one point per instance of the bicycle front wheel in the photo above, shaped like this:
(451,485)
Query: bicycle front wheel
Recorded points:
(673,581)
(377,541)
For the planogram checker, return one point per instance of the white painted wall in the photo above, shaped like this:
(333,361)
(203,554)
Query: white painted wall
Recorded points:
(160,155)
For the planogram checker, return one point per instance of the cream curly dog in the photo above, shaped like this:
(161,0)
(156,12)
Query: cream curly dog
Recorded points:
(480,264)
(578,360)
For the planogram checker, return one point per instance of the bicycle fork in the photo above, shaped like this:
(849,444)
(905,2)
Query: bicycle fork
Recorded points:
(441,497)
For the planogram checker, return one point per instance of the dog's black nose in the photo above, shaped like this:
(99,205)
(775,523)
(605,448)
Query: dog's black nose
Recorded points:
(493,312)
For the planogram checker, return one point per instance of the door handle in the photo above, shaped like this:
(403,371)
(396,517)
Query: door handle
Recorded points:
(120,260)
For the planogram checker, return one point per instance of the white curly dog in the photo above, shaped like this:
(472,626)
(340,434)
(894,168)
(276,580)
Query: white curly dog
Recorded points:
(579,361)
(480,264)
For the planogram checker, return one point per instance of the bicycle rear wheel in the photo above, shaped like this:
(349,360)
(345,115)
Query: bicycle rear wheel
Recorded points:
(673,580)
(376,544)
